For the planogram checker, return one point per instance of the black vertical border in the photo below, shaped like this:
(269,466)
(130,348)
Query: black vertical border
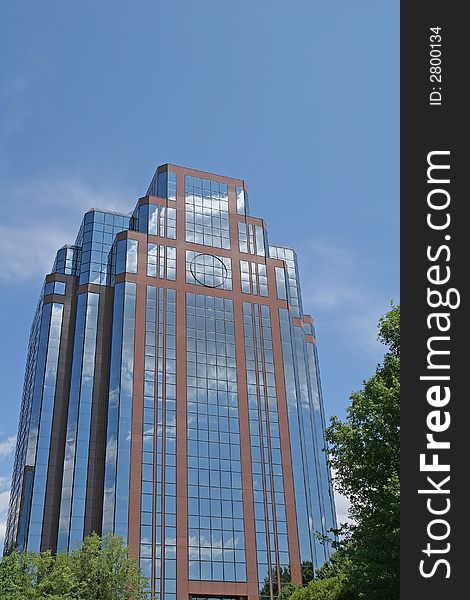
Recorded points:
(426,128)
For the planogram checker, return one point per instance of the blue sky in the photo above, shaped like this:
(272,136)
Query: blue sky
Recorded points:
(300,99)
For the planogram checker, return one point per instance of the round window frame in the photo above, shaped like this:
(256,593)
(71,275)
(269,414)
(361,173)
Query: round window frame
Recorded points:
(224,270)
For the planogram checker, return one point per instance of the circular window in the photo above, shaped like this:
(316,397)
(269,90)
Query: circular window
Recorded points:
(208,270)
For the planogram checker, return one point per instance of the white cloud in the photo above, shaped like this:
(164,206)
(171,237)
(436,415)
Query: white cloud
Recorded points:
(3,527)
(30,238)
(342,504)
(4,500)
(336,285)
(342,507)
(28,251)
(7,446)
(330,294)
(4,483)
(330,252)
(72,194)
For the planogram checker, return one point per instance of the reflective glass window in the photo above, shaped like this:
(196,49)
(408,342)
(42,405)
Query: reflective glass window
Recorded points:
(268,490)
(156,219)
(254,279)
(117,465)
(49,288)
(67,260)
(55,287)
(206,210)
(308,328)
(158,500)
(131,257)
(126,256)
(242,237)
(42,411)
(291,277)
(163,185)
(260,245)
(161,261)
(326,501)
(280,283)
(252,239)
(208,270)
(59,287)
(215,504)
(245,276)
(72,507)
(22,480)
(242,201)
(311,474)
(96,237)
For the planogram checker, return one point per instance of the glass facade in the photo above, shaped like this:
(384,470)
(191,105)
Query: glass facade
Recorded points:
(314,498)
(55,287)
(42,410)
(290,279)
(163,185)
(156,219)
(206,210)
(251,238)
(68,260)
(17,523)
(281,287)
(126,256)
(272,549)
(161,261)
(158,498)
(215,509)
(327,509)
(208,270)
(172,395)
(96,237)
(254,278)
(121,375)
(242,201)
(72,508)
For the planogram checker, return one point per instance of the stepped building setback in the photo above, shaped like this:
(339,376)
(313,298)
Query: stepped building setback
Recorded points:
(172,396)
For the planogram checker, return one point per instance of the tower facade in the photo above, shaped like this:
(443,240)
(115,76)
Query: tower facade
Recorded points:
(172,396)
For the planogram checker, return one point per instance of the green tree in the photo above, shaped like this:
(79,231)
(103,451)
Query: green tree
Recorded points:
(338,563)
(307,571)
(16,577)
(287,590)
(364,452)
(285,580)
(99,569)
(333,588)
(104,570)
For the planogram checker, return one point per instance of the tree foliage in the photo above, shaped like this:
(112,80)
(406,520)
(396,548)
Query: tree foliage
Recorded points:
(333,588)
(98,570)
(285,581)
(364,452)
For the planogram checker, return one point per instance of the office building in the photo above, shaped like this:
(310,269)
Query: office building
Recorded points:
(172,396)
